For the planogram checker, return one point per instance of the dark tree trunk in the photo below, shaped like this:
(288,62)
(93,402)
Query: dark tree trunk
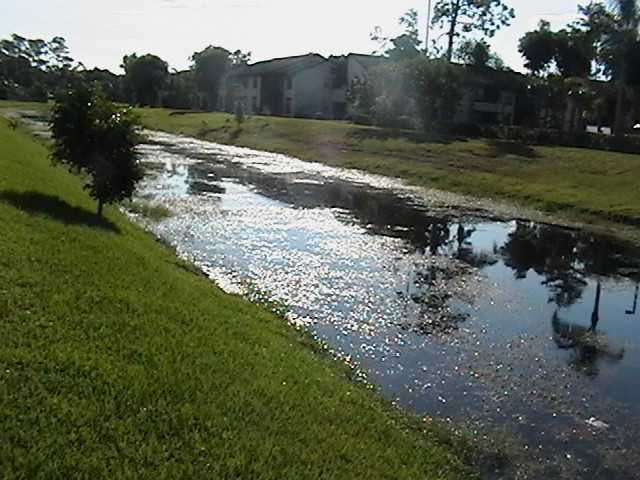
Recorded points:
(452,29)
(595,316)
(618,127)
(569,115)
(100,205)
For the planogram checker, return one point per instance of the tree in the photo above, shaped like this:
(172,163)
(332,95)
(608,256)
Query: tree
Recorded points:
(570,53)
(181,91)
(210,66)
(41,54)
(31,69)
(110,84)
(361,99)
(94,137)
(478,53)
(239,58)
(538,48)
(145,76)
(615,32)
(405,46)
(393,105)
(483,16)
(437,86)
(58,54)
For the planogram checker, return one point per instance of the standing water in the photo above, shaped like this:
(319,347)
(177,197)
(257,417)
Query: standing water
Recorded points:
(494,324)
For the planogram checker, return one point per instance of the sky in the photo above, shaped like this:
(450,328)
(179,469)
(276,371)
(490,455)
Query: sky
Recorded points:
(99,33)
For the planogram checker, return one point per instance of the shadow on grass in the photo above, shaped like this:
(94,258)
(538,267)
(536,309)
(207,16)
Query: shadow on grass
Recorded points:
(412,136)
(508,147)
(56,209)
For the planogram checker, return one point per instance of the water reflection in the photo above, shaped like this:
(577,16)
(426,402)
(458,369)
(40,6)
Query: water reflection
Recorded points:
(635,301)
(588,345)
(565,258)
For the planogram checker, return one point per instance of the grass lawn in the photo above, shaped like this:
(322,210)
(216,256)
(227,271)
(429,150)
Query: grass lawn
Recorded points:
(38,106)
(586,184)
(118,361)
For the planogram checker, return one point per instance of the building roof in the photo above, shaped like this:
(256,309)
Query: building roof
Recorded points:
(367,60)
(284,66)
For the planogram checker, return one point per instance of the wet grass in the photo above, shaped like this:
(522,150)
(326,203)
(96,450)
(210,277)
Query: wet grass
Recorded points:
(582,184)
(117,361)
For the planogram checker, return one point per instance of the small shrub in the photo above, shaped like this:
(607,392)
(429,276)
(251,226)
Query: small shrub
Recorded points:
(239,114)
(14,123)
(94,137)
(148,210)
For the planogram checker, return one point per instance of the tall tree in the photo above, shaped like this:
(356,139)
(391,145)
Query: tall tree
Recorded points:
(569,54)
(34,68)
(96,138)
(145,76)
(482,16)
(570,51)
(617,40)
(59,57)
(210,66)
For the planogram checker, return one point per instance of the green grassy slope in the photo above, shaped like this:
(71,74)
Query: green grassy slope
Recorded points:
(117,361)
(588,184)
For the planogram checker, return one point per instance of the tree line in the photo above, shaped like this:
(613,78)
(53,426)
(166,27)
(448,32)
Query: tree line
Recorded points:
(36,70)
(587,72)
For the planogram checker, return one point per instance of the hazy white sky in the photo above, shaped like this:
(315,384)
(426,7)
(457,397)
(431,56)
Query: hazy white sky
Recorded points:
(100,32)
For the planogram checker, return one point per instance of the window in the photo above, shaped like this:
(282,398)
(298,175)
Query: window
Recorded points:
(288,83)
(245,82)
(255,82)
(254,104)
(287,106)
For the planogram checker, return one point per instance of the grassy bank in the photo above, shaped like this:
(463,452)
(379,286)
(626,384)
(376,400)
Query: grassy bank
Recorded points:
(118,361)
(586,184)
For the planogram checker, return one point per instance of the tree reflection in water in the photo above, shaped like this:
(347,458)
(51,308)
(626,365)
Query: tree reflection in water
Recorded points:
(440,281)
(551,253)
(635,301)
(588,345)
(566,260)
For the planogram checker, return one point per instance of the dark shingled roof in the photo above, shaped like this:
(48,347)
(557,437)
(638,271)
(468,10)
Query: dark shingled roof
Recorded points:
(284,66)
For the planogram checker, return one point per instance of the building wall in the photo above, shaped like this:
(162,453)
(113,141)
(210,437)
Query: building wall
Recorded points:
(311,95)
(355,69)
(243,90)
(250,94)
(474,108)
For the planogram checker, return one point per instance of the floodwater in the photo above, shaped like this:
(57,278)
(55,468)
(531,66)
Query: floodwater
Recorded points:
(452,311)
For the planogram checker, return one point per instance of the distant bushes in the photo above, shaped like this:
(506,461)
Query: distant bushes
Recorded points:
(551,137)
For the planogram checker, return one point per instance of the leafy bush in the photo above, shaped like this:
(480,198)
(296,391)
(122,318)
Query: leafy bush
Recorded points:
(550,137)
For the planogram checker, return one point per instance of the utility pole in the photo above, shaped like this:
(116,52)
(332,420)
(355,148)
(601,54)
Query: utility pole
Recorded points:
(426,45)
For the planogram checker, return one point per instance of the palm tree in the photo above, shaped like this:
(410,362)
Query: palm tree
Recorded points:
(624,39)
